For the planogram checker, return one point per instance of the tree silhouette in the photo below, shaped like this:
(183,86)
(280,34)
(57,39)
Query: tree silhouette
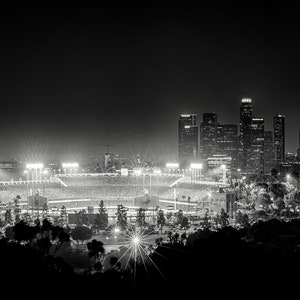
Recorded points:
(179,216)
(101,218)
(140,218)
(81,218)
(96,251)
(24,233)
(121,216)
(161,220)
(81,233)
(8,216)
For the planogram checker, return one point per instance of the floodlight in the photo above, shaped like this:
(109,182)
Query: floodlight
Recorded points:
(117,230)
(172,165)
(70,165)
(196,166)
(137,172)
(223,167)
(288,176)
(35,166)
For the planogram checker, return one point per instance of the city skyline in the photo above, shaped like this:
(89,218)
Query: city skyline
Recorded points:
(80,75)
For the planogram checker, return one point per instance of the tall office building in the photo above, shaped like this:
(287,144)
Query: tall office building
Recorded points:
(208,135)
(298,150)
(269,153)
(188,139)
(227,142)
(255,163)
(246,115)
(279,138)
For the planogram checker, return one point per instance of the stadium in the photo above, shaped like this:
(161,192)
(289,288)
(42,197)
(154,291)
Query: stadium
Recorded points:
(82,190)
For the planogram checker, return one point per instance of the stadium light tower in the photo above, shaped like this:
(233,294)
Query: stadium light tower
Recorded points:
(196,170)
(35,169)
(137,172)
(171,166)
(72,167)
(224,173)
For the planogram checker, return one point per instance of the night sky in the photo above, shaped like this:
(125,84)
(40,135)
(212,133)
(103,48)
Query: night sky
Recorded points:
(74,75)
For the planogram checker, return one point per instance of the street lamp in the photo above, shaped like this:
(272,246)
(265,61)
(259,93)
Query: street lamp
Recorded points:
(136,241)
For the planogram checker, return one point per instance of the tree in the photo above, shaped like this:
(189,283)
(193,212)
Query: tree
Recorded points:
(24,233)
(81,218)
(184,222)
(8,216)
(96,251)
(179,217)
(2,223)
(27,218)
(206,222)
(59,235)
(161,220)
(140,218)
(101,219)
(121,216)
(265,200)
(224,218)
(274,174)
(9,233)
(17,207)
(90,209)
(81,233)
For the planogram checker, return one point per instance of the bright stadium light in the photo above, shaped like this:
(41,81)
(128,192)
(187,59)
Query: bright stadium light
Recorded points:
(172,165)
(70,165)
(223,167)
(288,176)
(157,171)
(45,172)
(37,166)
(117,230)
(196,166)
(137,172)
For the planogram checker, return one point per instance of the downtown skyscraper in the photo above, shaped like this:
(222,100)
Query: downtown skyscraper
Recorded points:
(269,152)
(208,135)
(279,138)
(188,139)
(246,115)
(227,142)
(256,157)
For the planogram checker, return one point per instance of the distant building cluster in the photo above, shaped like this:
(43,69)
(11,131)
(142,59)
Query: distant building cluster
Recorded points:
(248,149)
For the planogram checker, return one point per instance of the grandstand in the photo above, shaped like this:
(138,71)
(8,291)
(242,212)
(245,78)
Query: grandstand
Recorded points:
(83,190)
